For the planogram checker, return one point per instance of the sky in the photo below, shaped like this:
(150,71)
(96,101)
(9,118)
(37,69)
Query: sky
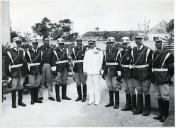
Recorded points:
(109,15)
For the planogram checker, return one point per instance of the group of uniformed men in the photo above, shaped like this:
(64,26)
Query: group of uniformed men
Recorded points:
(134,68)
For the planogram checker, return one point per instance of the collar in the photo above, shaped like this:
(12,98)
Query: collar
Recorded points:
(34,49)
(16,49)
(139,48)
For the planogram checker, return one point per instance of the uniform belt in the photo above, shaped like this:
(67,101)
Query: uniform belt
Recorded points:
(112,63)
(159,69)
(61,62)
(126,66)
(33,64)
(141,66)
(78,61)
(15,66)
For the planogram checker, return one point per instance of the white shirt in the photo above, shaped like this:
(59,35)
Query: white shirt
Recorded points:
(93,61)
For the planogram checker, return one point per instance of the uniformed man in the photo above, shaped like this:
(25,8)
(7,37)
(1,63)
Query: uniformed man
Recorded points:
(163,69)
(126,61)
(33,58)
(61,64)
(80,78)
(46,62)
(16,69)
(142,61)
(92,65)
(112,72)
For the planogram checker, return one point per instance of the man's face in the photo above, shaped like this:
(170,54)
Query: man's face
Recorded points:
(110,45)
(138,42)
(61,45)
(79,43)
(124,45)
(91,45)
(46,41)
(158,45)
(18,43)
(35,45)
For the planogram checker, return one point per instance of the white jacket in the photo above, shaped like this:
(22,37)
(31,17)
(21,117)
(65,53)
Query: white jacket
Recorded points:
(93,61)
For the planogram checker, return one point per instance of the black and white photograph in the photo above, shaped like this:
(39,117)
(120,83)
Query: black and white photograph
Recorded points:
(87,63)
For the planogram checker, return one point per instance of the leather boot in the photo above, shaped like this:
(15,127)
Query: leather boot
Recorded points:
(20,98)
(84,93)
(13,93)
(160,105)
(57,90)
(165,110)
(79,91)
(147,106)
(116,106)
(111,99)
(128,103)
(139,105)
(64,91)
(37,100)
(133,103)
(32,96)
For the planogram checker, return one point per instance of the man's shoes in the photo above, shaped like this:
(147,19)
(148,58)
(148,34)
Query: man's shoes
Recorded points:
(66,98)
(40,98)
(22,104)
(51,98)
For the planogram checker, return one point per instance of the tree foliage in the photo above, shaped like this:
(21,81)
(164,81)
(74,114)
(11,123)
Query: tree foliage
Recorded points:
(170,26)
(54,30)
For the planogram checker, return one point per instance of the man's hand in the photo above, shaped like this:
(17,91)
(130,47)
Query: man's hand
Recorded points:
(53,68)
(85,73)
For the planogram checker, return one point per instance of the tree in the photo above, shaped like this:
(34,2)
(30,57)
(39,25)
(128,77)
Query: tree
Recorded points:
(43,28)
(54,30)
(170,26)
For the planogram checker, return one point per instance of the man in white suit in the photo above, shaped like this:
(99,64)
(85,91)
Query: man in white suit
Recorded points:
(92,65)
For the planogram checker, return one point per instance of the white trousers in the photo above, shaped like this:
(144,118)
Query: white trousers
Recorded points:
(93,86)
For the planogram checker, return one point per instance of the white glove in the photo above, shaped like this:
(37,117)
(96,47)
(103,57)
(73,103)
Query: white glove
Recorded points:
(119,73)
(9,79)
(101,72)
(53,68)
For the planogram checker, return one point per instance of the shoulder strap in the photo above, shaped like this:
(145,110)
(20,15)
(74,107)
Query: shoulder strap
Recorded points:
(41,54)
(74,52)
(166,57)
(117,55)
(148,51)
(29,56)
(8,53)
(56,55)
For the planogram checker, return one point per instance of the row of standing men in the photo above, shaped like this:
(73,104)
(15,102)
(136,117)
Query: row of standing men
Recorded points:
(136,68)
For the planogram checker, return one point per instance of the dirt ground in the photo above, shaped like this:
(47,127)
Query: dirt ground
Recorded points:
(71,113)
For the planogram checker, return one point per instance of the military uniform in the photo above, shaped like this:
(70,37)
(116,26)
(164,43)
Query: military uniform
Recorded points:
(163,70)
(112,73)
(142,60)
(92,65)
(16,69)
(61,61)
(33,58)
(126,63)
(80,78)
